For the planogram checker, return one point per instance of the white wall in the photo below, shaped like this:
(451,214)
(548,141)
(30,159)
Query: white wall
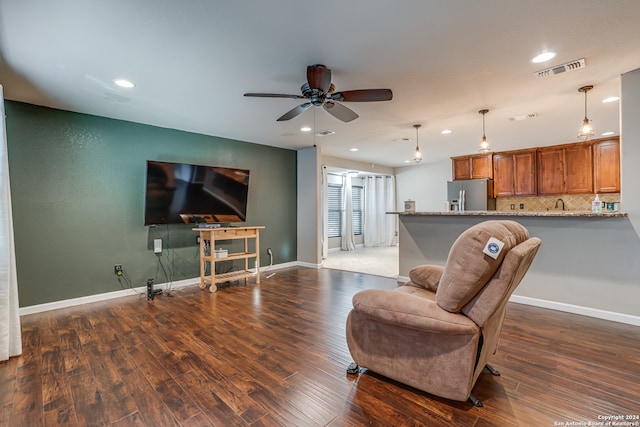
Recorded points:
(309,220)
(424,183)
(356,166)
(630,147)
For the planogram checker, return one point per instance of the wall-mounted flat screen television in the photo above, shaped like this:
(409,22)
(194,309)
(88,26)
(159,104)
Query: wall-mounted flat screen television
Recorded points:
(179,193)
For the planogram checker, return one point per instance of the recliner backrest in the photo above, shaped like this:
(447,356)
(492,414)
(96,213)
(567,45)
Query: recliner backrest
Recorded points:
(468,268)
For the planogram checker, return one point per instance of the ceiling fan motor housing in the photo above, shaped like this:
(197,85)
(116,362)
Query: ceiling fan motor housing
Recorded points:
(319,90)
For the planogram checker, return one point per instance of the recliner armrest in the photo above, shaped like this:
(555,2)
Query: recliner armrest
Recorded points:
(427,276)
(410,311)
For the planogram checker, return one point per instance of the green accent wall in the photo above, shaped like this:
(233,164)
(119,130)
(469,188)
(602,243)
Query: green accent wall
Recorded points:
(78,183)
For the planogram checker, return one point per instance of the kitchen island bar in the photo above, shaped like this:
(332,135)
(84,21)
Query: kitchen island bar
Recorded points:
(588,263)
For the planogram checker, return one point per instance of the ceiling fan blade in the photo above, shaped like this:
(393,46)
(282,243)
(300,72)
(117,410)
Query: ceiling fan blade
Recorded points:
(273,95)
(319,77)
(363,95)
(339,111)
(294,112)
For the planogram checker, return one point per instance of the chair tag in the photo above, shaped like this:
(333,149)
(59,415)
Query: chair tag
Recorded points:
(493,247)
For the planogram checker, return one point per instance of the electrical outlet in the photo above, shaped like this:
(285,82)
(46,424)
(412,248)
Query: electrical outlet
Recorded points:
(521,205)
(117,269)
(269,251)
(513,206)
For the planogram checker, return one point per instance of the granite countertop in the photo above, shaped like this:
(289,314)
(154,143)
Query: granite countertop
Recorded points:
(553,213)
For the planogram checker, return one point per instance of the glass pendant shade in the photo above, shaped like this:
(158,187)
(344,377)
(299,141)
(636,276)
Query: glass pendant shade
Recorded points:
(417,155)
(484,144)
(586,130)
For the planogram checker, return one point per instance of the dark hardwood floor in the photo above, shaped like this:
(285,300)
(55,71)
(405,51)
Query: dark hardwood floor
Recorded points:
(275,355)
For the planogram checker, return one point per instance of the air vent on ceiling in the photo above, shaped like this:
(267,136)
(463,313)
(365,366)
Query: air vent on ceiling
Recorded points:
(558,69)
(523,117)
(325,133)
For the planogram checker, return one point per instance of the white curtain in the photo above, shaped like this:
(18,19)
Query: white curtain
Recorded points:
(10,335)
(380,197)
(347,240)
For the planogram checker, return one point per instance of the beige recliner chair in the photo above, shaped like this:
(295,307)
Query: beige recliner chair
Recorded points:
(437,331)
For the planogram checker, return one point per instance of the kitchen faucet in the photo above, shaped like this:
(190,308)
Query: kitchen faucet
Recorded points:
(559,200)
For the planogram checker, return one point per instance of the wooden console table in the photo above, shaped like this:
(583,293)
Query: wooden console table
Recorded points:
(212,235)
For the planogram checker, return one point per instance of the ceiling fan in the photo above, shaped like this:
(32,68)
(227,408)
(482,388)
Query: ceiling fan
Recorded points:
(320,91)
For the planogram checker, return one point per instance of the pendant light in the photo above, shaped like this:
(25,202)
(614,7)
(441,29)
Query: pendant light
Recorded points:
(417,156)
(484,144)
(586,130)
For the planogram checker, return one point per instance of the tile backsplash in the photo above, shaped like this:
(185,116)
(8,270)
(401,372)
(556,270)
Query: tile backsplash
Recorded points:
(572,202)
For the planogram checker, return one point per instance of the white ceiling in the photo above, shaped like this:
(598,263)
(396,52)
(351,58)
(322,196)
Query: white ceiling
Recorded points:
(193,60)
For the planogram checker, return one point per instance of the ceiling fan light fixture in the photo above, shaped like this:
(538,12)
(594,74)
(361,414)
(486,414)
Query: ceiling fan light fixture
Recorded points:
(586,129)
(417,155)
(484,144)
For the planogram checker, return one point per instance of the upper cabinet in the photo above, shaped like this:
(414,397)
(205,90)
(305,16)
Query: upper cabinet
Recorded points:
(478,166)
(514,173)
(579,168)
(606,171)
(565,169)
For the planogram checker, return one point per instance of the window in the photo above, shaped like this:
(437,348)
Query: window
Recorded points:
(334,196)
(336,213)
(357,205)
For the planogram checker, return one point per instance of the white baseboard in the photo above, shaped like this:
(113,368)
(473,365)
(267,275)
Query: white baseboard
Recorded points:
(32,309)
(576,309)
(309,265)
(103,297)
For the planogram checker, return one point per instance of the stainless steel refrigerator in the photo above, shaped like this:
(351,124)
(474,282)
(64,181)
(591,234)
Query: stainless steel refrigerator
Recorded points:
(471,195)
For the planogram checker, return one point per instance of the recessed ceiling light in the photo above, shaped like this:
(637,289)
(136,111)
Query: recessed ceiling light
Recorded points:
(407,161)
(124,83)
(608,133)
(611,99)
(305,129)
(543,57)
(354,149)
(446,131)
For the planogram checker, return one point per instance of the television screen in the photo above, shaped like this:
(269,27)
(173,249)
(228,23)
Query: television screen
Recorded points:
(179,193)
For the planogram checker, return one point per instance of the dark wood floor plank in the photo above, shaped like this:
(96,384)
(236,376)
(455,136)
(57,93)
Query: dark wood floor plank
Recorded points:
(198,388)
(152,410)
(276,354)
(27,407)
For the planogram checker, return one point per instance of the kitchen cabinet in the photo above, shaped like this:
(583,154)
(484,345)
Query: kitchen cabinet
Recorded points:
(502,175)
(478,166)
(550,171)
(565,169)
(525,173)
(606,171)
(514,173)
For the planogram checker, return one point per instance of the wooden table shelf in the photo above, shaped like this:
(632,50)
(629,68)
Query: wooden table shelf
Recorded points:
(208,238)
